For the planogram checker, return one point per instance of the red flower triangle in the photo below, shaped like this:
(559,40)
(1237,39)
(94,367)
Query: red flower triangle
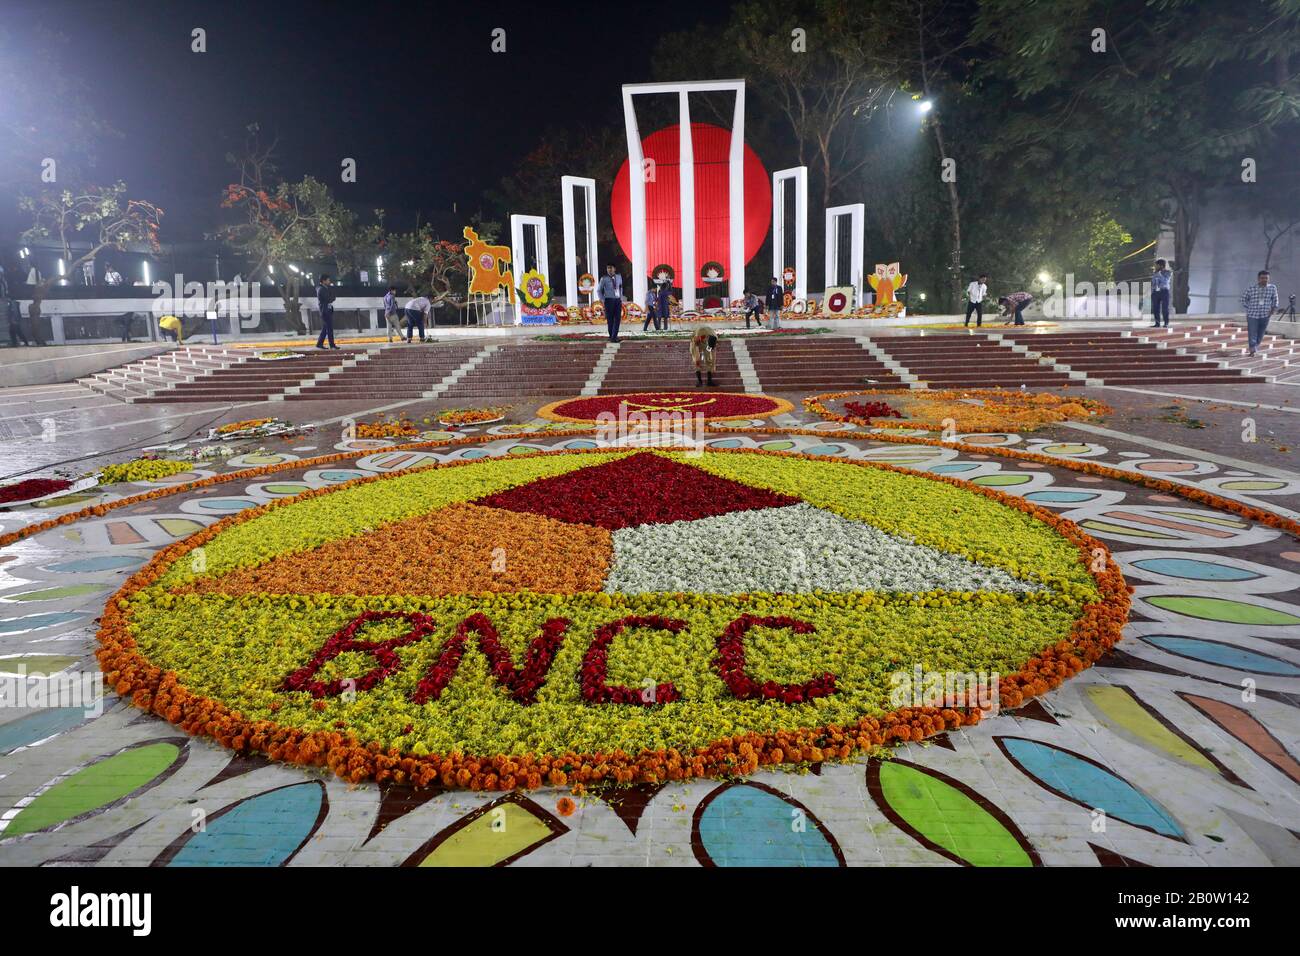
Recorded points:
(640,489)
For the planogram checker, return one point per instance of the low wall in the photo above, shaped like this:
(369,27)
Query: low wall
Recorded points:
(64,363)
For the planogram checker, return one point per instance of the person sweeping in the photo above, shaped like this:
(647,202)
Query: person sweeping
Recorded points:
(704,342)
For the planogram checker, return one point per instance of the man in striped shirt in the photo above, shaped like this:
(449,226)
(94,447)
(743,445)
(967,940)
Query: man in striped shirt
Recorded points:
(1015,303)
(1260,302)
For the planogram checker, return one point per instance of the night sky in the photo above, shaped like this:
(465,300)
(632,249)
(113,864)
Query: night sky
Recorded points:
(391,85)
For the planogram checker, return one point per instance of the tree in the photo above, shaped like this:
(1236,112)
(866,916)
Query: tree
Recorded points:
(922,41)
(284,223)
(1162,99)
(101,215)
(421,263)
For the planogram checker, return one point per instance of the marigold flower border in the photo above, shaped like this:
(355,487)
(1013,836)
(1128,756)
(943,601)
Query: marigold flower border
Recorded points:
(1097,630)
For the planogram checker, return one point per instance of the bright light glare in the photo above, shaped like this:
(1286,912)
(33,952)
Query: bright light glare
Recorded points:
(1044,277)
(925,106)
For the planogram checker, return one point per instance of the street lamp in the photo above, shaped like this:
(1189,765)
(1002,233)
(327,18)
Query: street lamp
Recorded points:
(925,106)
(1044,277)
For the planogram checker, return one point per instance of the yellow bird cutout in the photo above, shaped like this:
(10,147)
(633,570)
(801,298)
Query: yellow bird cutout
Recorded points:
(886,282)
(485,262)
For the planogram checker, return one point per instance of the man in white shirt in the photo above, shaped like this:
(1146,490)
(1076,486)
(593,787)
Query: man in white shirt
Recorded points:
(112,276)
(417,310)
(975,293)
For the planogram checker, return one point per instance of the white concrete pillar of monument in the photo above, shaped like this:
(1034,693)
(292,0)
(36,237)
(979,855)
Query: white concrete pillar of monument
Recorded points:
(517,226)
(736,196)
(857,218)
(588,187)
(686,166)
(795,178)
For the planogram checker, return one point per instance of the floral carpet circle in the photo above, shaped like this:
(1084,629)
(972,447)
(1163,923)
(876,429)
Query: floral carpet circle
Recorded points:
(965,410)
(713,406)
(601,616)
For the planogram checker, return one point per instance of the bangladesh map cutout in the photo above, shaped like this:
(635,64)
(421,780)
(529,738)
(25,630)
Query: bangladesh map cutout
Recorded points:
(595,602)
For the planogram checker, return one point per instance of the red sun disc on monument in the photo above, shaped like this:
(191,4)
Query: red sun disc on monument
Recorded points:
(711,146)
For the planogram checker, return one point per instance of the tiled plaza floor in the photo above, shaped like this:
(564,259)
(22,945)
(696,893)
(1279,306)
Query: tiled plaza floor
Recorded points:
(1186,735)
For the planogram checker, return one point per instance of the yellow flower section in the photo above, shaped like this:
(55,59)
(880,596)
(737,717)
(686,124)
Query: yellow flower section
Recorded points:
(142,469)
(316,517)
(250,644)
(945,516)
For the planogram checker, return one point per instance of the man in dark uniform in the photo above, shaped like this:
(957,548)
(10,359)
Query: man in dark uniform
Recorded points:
(610,291)
(15,317)
(775,299)
(325,300)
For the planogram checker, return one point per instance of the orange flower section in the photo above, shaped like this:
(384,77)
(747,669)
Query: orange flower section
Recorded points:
(929,409)
(438,554)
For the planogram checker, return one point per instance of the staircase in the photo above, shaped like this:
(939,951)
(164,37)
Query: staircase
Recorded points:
(1117,358)
(818,363)
(1277,359)
(969,361)
(137,381)
(666,367)
(391,373)
(561,369)
(256,380)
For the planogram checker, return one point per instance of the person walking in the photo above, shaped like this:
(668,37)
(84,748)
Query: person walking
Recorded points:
(975,293)
(416,312)
(392,317)
(325,296)
(15,318)
(1160,294)
(651,307)
(124,323)
(34,322)
(704,341)
(754,307)
(1260,302)
(775,301)
(610,291)
(663,315)
(1015,303)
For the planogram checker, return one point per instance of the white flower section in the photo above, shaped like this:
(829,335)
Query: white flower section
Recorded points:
(790,550)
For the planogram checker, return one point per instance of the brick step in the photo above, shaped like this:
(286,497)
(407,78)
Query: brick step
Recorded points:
(350,395)
(192,400)
(233,386)
(1173,361)
(1180,380)
(942,377)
